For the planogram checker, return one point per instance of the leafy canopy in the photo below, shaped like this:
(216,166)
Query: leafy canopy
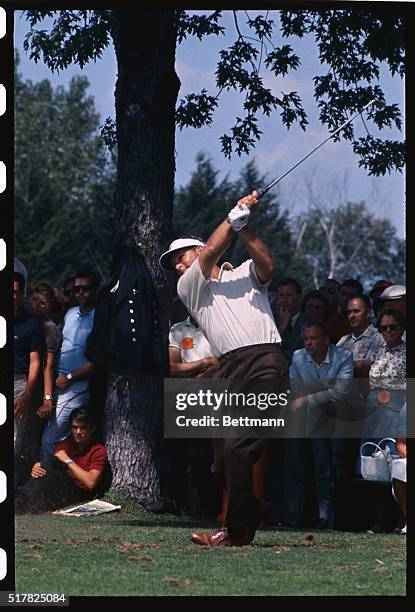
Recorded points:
(352,45)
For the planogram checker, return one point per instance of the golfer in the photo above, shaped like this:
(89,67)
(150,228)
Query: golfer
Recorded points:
(232,308)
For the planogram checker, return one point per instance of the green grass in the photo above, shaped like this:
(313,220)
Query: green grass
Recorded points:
(135,553)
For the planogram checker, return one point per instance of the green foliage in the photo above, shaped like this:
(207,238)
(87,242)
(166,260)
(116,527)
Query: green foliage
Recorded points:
(76,36)
(197,25)
(63,185)
(196,110)
(352,45)
(204,203)
(350,242)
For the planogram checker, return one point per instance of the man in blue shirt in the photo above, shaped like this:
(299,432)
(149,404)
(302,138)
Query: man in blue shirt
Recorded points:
(321,376)
(74,369)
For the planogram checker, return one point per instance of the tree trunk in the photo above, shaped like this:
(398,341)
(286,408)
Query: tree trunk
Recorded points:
(145,98)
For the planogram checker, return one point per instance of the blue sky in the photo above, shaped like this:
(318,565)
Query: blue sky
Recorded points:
(330,176)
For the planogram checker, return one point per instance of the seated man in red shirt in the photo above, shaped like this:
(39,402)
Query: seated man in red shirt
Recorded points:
(76,473)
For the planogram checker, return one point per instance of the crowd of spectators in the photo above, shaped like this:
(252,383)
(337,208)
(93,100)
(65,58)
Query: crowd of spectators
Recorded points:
(335,332)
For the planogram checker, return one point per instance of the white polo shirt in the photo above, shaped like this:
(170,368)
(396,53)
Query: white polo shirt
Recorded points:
(232,310)
(190,340)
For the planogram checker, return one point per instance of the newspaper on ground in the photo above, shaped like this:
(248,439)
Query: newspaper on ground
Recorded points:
(91,508)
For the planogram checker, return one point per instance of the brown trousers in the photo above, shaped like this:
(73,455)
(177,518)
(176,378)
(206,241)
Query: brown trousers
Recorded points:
(235,457)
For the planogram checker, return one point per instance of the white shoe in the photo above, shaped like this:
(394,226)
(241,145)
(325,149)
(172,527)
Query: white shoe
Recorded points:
(403,530)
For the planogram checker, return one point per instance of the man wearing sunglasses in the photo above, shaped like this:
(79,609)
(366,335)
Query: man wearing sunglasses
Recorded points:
(73,368)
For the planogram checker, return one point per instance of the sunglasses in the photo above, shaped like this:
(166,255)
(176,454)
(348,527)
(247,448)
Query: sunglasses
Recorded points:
(85,288)
(393,327)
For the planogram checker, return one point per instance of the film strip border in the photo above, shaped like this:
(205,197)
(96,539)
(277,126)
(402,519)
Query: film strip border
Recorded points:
(7,577)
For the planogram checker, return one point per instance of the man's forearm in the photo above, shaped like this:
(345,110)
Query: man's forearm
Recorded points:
(217,244)
(259,252)
(83,372)
(89,479)
(32,378)
(180,369)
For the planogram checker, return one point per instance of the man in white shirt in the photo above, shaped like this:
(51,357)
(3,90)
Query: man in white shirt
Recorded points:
(231,306)
(189,351)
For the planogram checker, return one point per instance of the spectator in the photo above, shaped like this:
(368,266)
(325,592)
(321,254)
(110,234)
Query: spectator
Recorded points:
(28,345)
(349,288)
(74,474)
(315,305)
(290,318)
(394,298)
(334,323)
(340,326)
(41,306)
(190,355)
(20,268)
(331,289)
(364,341)
(321,376)
(387,378)
(69,293)
(386,399)
(74,369)
(375,293)
(273,300)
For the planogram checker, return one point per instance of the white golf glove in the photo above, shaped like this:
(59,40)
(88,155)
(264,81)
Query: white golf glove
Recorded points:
(239,217)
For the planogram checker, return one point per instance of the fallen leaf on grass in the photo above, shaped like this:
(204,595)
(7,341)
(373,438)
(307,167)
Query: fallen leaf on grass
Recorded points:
(31,556)
(379,561)
(21,539)
(188,582)
(280,549)
(239,554)
(35,546)
(379,570)
(142,558)
(75,542)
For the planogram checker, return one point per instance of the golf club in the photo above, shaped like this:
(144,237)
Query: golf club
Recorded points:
(277,180)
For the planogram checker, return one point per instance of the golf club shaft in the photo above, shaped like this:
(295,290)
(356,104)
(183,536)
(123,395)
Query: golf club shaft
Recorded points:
(266,189)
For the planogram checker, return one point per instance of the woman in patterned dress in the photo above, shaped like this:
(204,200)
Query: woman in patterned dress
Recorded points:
(387,379)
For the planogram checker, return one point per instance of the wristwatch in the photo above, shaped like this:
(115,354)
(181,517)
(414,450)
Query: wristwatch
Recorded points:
(68,461)
(47,397)
(69,376)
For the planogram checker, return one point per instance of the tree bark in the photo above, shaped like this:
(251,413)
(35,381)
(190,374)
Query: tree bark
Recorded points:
(145,100)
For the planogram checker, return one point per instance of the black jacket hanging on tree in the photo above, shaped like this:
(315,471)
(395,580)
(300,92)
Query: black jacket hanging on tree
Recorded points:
(126,336)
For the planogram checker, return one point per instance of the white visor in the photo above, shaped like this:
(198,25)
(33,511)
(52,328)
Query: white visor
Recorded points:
(177,245)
